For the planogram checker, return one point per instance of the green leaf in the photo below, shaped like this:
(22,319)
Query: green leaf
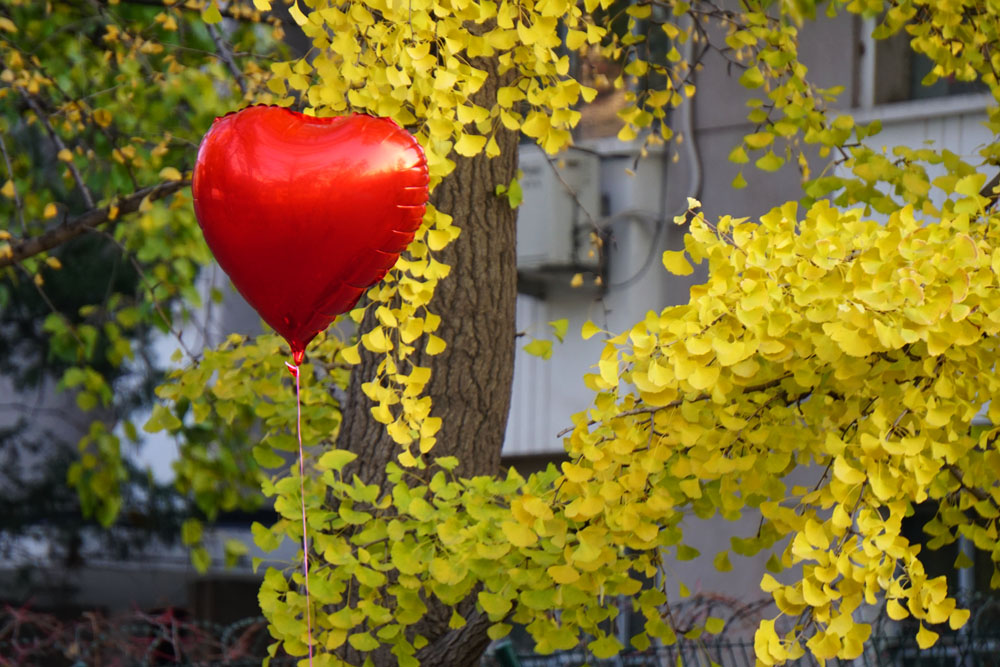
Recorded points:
(970,185)
(714,625)
(721,562)
(498,630)
(605,647)
(237,547)
(457,621)
(559,328)
(335,459)
(161,419)
(266,458)
(233,550)
(494,605)
(539,348)
(73,376)
(420,509)
(770,162)
(469,145)
(264,537)
(759,139)
(191,532)
(363,642)
(407,556)
(351,516)
(86,400)
(447,462)
(211,13)
(752,78)
(541,600)
(589,330)
(201,559)
(514,193)
(685,552)
(107,512)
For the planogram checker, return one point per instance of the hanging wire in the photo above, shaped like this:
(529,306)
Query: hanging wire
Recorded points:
(294,370)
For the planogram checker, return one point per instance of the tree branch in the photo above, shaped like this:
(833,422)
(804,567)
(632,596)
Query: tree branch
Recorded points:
(988,189)
(227,57)
(463,646)
(977,493)
(59,143)
(18,204)
(681,401)
(82,223)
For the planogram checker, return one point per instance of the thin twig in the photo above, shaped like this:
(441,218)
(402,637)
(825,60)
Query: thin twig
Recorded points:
(87,221)
(572,193)
(988,190)
(681,401)
(60,146)
(10,174)
(978,494)
(227,57)
(157,306)
(52,306)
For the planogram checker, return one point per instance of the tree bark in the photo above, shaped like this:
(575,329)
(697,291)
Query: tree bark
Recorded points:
(471,380)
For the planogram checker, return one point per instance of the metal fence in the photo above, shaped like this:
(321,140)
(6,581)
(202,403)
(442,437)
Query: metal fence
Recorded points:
(958,650)
(137,639)
(30,639)
(892,643)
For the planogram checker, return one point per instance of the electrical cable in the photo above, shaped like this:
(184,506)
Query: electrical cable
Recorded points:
(694,187)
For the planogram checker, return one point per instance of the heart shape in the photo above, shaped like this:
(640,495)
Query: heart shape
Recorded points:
(304,213)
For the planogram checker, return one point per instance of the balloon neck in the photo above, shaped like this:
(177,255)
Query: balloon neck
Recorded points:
(298,355)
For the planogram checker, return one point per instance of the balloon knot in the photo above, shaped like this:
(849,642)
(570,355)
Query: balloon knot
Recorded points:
(293,369)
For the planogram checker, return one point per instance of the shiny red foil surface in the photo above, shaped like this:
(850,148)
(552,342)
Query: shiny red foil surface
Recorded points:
(304,213)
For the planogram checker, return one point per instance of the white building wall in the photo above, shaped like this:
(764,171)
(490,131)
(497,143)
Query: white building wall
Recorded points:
(639,202)
(954,123)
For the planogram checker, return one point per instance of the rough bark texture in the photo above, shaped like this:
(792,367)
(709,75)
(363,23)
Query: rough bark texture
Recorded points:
(470,382)
(471,379)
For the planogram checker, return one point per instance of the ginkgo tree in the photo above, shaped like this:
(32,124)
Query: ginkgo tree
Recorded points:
(822,341)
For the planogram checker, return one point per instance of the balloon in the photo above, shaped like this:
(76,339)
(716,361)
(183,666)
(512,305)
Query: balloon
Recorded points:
(305,213)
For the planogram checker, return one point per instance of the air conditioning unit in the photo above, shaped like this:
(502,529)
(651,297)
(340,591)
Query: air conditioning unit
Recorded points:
(557,216)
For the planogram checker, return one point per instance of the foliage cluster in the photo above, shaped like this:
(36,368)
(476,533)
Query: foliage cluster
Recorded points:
(103,105)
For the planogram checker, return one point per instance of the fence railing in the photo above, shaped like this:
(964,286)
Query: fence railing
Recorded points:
(896,651)
(892,643)
(137,639)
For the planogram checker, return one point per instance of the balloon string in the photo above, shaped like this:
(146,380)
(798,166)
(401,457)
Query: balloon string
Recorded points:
(294,370)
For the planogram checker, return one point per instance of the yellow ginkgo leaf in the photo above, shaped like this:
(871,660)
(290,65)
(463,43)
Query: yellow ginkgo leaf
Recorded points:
(675,261)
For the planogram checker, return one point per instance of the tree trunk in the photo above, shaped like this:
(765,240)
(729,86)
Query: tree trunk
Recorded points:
(471,380)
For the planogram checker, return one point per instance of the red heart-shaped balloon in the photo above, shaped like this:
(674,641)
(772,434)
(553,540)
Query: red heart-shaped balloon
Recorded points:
(305,213)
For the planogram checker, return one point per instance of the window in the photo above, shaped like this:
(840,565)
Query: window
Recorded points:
(899,73)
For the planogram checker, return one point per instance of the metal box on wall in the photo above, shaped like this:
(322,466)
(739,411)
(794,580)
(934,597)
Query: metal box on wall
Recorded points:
(558,214)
